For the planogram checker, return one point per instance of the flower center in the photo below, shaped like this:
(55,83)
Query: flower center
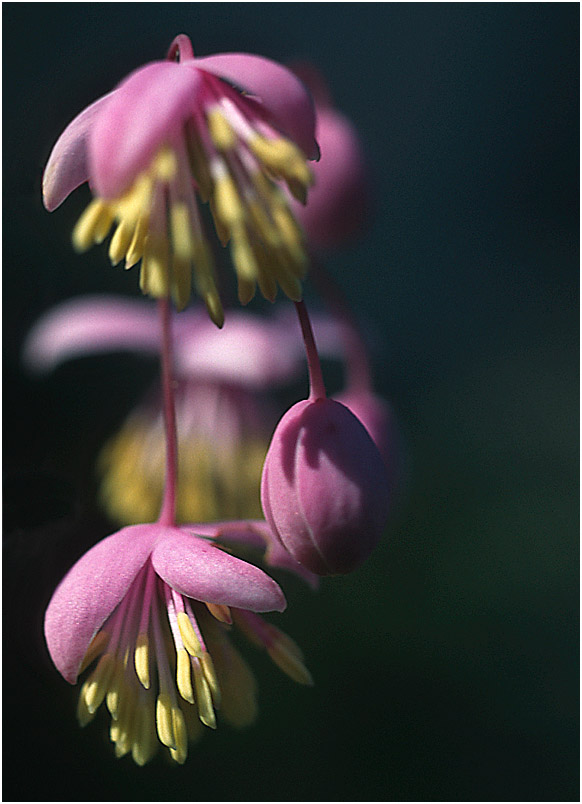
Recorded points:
(229,156)
(156,675)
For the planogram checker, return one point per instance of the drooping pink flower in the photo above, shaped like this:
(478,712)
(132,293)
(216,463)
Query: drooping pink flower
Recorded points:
(153,604)
(223,393)
(340,201)
(223,129)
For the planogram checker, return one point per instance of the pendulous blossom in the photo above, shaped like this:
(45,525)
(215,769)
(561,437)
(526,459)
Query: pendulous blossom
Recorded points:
(324,488)
(153,606)
(225,414)
(228,130)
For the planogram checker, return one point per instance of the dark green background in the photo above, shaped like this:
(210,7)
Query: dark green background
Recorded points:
(447,667)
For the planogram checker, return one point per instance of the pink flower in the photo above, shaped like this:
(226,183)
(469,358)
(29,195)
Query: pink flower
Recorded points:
(224,411)
(339,203)
(154,605)
(176,131)
(324,488)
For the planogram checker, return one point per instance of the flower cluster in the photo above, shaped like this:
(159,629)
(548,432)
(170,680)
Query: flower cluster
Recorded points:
(148,612)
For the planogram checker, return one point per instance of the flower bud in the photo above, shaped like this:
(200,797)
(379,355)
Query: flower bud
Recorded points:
(324,488)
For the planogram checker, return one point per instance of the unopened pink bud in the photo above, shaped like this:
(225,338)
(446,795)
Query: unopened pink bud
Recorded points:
(325,489)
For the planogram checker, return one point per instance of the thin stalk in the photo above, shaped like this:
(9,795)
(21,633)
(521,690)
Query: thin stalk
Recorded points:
(316,385)
(168,509)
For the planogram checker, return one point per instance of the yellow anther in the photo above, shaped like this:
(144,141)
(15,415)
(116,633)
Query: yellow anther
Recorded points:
(142,659)
(203,697)
(181,282)
(221,131)
(276,154)
(210,676)
(115,691)
(155,274)
(97,646)
(222,231)
(183,675)
(289,663)
(84,716)
(137,201)
(181,231)
(120,242)
(144,740)
(165,165)
(188,634)
(180,752)
(164,720)
(91,224)
(98,682)
(246,290)
(242,255)
(136,247)
(220,612)
(227,203)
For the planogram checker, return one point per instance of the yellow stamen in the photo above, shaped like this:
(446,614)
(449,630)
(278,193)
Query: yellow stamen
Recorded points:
(98,682)
(221,131)
(180,752)
(246,290)
(137,245)
(165,165)
(144,742)
(164,720)
(203,697)
(189,637)
(120,242)
(91,224)
(97,646)
(155,275)
(227,203)
(210,676)
(84,716)
(183,675)
(220,611)
(180,229)
(142,659)
(290,664)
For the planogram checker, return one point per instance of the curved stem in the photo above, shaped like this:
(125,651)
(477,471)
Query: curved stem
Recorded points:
(316,385)
(168,511)
(182,47)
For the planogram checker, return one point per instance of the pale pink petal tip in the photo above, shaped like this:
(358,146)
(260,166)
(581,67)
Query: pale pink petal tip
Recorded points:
(90,325)
(67,166)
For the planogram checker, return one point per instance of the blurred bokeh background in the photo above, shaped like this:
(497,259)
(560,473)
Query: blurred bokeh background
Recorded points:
(447,667)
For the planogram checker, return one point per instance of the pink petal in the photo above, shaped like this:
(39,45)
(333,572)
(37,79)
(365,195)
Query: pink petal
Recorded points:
(91,325)
(204,572)
(282,94)
(146,111)
(67,167)
(255,533)
(249,350)
(89,593)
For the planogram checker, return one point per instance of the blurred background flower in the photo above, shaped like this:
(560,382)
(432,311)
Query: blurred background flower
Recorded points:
(465,624)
